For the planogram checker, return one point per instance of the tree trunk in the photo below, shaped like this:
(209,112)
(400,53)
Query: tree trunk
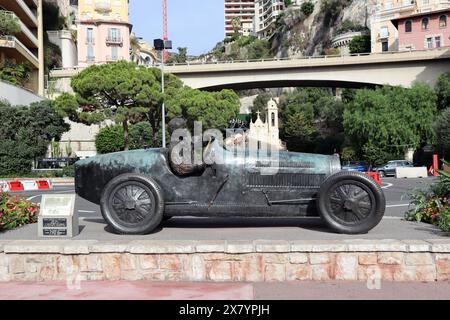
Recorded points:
(126,135)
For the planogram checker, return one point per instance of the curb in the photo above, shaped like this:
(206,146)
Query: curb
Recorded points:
(70,247)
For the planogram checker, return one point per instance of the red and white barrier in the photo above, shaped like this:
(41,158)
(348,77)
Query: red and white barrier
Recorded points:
(25,185)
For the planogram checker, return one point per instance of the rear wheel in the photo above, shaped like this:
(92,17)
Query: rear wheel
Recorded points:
(382,174)
(132,204)
(351,203)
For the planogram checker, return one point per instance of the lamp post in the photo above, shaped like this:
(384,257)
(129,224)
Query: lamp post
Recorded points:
(162,45)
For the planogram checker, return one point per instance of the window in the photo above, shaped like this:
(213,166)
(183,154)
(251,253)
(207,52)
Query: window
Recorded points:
(429,44)
(90,35)
(114,53)
(437,42)
(273,119)
(408,26)
(384,32)
(114,34)
(443,21)
(90,53)
(384,46)
(425,23)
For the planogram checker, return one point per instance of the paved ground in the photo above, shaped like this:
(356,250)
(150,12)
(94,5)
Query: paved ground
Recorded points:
(392,227)
(142,290)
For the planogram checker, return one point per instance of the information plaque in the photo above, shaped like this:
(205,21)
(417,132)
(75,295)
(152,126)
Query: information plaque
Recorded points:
(57,217)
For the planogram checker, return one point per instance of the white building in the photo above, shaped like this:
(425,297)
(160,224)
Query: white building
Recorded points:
(266,13)
(242,12)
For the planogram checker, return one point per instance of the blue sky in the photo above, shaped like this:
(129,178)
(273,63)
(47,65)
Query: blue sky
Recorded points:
(196,24)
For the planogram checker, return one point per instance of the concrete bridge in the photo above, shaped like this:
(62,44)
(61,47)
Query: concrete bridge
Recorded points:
(354,71)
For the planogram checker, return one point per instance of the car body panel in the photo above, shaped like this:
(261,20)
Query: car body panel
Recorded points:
(391,167)
(236,185)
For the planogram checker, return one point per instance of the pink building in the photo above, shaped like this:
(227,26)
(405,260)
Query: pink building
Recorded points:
(423,31)
(103,31)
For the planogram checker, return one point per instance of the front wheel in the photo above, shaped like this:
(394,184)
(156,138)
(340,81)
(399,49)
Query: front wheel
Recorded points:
(132,204)
(351,203)
(382,174)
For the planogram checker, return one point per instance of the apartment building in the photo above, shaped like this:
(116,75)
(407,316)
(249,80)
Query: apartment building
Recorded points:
(103,31)
(266,13)
(389,13)
(26,45)
(239,15)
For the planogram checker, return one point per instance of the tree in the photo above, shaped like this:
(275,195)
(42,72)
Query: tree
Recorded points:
(442,128)
(360,44)
(307,8)
(389,119)
(443,91)
(110,139)
(260,104)
(213,109)
(67,106)
(237,26)
(26,133)
(180,57)
(121,91)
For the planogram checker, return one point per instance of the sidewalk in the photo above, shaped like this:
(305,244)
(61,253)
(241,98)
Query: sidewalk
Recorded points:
(144,290)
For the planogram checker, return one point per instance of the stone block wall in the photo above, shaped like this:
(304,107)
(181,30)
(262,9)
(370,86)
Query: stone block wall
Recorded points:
(236,261)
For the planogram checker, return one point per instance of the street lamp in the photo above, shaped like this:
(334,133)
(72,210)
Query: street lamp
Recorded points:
(162,45)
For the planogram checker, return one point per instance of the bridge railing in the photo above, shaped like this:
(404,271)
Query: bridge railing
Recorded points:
(324,57)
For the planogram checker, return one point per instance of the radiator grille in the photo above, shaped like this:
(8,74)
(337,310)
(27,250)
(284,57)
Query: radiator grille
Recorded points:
(293,180)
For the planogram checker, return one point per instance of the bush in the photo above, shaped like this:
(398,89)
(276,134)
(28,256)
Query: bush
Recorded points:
(25,135)
(360,44)
(68,171)
(141,136)
(432,206)
(442,128)
(110,139)
(16,212)
(307,8)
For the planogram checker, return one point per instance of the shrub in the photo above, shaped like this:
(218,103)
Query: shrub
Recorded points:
(442,128)
(110,139)
(141,136)
(360,44)
(16,212)
(68,171)
(307,8)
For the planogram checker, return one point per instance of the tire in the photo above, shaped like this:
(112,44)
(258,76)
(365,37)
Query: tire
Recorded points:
(351,203)
(382,174)
(126,211)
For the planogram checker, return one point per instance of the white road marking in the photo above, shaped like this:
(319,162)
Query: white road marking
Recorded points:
(84,211)
(398,205)
(392,218)
(33,197)
(388,186)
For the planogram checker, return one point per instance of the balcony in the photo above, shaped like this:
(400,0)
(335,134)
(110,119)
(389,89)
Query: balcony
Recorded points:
(90,41)
(103,6)
(114,40)
(112,58)
(22,11)
(15,49)
(90,59)
(26,36)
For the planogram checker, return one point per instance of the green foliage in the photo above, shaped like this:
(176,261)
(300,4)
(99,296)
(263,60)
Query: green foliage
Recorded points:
(260,104)
(213,109)
(109,139)
(141,136)
(16,212)
(287,3)
(25,135)
(349,26)
(330,9)
(385,121)
(15,73)
(9,24)
(349,154)
(242,48)
(180,57)
(442,127)
(443,91)
(68,171)
(433,205)
(123,92)
(67,106)
(51,17)
(360,44)
(52,56)
(307,8)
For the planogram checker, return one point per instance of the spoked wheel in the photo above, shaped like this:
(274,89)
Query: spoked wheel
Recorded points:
(351,203)
(132,204)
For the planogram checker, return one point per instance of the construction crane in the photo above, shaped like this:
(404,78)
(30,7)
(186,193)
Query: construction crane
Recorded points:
(165,29)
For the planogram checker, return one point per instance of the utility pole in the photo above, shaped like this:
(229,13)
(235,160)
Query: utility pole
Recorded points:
(165,28)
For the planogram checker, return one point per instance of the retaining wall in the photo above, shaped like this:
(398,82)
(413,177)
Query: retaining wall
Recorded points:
(248,261)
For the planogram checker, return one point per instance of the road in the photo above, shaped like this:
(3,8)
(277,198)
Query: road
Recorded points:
(392,227)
